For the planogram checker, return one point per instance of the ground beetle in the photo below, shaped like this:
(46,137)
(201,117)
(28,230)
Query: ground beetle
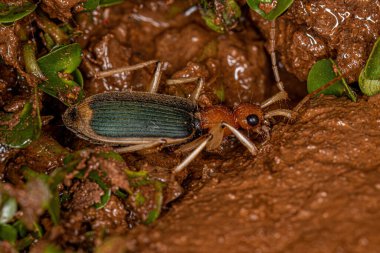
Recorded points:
(143,120)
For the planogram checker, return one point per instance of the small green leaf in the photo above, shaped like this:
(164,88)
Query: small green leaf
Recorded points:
(58,36)
(220,93)
(155,213)
(280,8)
(25,242)
(8,210)
(30,61)
(146,196)
(21,228)
(8,233)
(52,249)
(369,79)
(11,12)
(220,19)
(27,129)
(94,176)
(91,5)
(323,72)
(57,67)
(111,155)
(139,199)
(107,3)
(54,208)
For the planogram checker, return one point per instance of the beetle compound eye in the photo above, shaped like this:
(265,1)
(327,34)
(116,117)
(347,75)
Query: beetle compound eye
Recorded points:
(253,120)
(248,116)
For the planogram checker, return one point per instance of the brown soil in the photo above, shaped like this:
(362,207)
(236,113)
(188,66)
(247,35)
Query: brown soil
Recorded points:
(344,30)
(314,187)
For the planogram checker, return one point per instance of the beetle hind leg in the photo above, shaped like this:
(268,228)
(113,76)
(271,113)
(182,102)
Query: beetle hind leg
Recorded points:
(138,147)
(154,84)
(198,89)
(193,154)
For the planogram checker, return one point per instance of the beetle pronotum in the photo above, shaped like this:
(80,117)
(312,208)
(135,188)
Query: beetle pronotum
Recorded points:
(144,120)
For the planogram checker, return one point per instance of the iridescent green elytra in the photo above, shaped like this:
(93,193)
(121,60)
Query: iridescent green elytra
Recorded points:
(131,117)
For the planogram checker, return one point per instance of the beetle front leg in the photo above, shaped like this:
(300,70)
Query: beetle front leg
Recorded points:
(243,139)
(272,52)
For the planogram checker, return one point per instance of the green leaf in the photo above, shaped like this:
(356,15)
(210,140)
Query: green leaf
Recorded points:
(57,67)
(94,176)
(25,242)
(146,196)
(221,19)
(8,233)
(111,155)
(106,3)
(54,208)
(27,129)
(30,61)
(52,249)
(369,79)
(155,213)
(8,210)
(21,228)
(12,12)
(281,7)
(220,93)
(323,72)
(91,5)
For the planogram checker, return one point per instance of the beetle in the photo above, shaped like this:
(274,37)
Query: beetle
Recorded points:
(144,120)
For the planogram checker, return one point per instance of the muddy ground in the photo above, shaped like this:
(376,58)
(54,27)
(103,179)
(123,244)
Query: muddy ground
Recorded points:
(314,187)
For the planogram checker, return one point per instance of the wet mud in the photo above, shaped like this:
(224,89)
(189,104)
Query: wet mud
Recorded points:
(312,30)
(313,188)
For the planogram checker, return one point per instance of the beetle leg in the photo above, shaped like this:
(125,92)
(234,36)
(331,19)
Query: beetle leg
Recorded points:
(272,48)
(279,112)
(282,95)
(265,132)
(153,87)
(198,89)
(111,72)
(138,147)
(243,139)
(191,145)
(197,92)
(192,155)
